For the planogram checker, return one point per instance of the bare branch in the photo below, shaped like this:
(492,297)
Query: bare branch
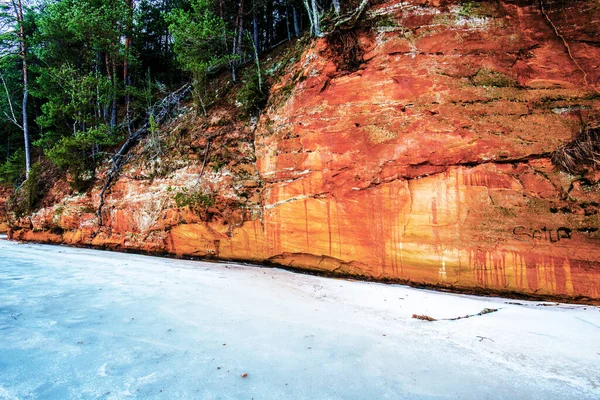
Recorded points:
(12,111)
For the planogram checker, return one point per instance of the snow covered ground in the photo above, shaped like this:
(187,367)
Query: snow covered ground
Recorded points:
(79,323)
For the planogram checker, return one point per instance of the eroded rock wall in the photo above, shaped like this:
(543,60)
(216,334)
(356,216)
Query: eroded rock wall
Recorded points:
(426,159)
(4,195)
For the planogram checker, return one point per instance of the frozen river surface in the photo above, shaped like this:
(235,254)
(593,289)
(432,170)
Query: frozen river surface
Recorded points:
(78,323)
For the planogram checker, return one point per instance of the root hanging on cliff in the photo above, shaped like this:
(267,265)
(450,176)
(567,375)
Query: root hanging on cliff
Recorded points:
(583,150)
(567,46)
(343,41)
(347,52)
(348,21)
(160,112)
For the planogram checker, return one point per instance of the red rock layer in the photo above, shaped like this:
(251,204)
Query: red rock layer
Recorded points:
(4,194)
(427,160)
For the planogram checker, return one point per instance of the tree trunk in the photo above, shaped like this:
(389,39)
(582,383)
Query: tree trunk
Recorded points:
(269,25)
(310,17)
(336,6)
(233,62)
(18,8)
(237,39)
(241,28)
(113,116)
(296,26)
(287,23)
(316,18)
(126,79)
(255,31)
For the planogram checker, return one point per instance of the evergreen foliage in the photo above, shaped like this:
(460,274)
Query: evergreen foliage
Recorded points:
(88,71)
(200,43)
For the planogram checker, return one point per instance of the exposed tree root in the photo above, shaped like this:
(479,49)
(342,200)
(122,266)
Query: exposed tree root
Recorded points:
(349,20)
(581,152)
(566,44)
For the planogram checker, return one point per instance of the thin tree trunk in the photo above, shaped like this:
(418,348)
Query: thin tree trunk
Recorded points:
(296,26)
(269,25)
(126,79)
(316,17)
(12,117)
(255,30)
(107,115)
(18,8)
(113,116)
(241,27)
(258,73)
(233,62)
(287,23)
(336,6)
(237,39)
(310,17)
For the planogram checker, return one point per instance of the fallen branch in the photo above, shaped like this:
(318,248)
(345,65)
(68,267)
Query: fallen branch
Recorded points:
(482,312)
(161,112)
(423,317)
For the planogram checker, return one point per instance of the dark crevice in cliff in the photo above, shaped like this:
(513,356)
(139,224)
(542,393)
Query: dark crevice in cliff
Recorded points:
(446,167)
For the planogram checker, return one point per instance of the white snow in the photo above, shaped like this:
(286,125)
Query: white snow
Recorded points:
(79,323)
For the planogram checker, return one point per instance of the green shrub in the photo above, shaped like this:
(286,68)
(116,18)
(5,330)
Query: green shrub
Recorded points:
(25,198)
(77,154)
(491,78)
(13,170)
(466,9)
(386,22)
(250,96)
(194,199)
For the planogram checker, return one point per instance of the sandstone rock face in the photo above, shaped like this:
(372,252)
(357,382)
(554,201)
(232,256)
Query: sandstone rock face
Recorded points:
(4,194)
(425,160)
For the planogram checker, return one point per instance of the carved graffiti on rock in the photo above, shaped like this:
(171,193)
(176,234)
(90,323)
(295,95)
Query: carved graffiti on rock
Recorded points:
(544,234)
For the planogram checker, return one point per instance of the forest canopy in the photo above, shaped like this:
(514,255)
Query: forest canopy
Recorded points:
(78,76)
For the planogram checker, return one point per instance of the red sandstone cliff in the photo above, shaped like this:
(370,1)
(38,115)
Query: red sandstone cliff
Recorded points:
(4,194)
(424,157)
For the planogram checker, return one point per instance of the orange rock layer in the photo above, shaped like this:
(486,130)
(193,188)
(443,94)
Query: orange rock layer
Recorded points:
(428,162)
(4,194)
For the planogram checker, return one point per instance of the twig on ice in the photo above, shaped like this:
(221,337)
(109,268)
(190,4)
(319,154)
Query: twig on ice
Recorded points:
(15,317)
